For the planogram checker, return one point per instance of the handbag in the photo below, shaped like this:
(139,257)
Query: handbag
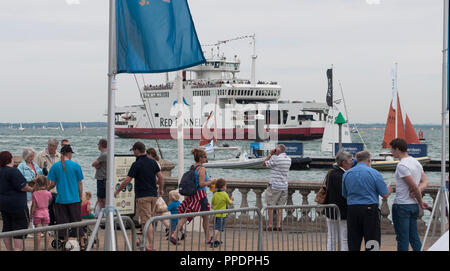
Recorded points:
(321,196)
(161,206)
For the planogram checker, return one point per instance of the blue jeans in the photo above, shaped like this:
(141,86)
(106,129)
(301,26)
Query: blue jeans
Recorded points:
(404,217)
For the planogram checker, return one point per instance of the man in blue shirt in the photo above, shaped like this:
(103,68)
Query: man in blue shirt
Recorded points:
(362,186)
(67,176)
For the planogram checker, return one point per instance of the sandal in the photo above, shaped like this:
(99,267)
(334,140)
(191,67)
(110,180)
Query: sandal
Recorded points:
(210,241)
(173,241)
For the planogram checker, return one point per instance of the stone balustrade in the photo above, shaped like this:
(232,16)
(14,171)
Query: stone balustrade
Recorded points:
(307,191)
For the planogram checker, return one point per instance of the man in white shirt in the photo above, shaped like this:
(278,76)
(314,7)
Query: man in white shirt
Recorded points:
(410,183)
(277,191)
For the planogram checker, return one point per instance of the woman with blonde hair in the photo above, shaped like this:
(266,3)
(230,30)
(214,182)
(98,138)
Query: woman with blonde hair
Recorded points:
(199,201)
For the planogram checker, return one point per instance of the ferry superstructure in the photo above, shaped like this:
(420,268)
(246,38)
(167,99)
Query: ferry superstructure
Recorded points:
(213,88)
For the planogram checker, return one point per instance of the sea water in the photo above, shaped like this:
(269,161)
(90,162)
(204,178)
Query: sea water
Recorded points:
(84,144)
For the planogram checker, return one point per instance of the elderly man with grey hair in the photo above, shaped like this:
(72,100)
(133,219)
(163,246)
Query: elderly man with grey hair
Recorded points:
(344,162)
(49,155)
(277,190)
(45,159)
(362,186)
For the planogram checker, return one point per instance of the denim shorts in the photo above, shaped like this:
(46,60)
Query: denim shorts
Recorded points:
(219,224)
(173,225)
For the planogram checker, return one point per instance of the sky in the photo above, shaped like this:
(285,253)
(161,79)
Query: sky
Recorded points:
(54,54)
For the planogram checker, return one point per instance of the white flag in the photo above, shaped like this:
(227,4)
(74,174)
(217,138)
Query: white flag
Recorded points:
(210,147)
(394,90)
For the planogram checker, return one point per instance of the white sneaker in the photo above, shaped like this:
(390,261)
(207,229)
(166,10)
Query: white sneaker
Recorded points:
(30,235)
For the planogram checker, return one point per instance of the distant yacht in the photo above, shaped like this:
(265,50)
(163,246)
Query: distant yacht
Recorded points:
(61,126)
(20,127)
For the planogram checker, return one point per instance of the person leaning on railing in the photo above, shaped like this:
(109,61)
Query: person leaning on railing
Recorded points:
(13,200)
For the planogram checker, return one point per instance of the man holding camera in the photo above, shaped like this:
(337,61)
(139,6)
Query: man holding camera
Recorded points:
(277,190)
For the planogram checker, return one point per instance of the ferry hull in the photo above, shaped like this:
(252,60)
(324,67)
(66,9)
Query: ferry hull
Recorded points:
(223,134)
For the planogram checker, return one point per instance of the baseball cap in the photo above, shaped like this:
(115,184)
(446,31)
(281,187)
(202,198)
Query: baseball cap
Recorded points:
(66,149)
(138,146)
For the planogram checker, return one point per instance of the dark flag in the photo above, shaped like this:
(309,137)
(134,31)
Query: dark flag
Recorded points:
(330,87)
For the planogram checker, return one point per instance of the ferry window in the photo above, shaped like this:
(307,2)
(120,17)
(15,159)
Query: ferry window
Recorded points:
(156,115)
(229,92)
(292,117)
(216,64)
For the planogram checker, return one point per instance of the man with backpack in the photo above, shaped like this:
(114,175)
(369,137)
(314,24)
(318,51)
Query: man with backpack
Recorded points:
(144,171)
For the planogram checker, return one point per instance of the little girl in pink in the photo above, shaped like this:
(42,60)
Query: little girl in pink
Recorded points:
(39,206)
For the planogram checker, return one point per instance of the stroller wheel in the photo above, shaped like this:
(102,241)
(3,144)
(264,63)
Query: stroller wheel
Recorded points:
(57,244)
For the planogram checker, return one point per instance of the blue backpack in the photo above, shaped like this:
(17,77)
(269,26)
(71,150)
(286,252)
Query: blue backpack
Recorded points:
(188,186)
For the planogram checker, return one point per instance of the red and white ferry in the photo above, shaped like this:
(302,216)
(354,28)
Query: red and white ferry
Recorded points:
(214,88)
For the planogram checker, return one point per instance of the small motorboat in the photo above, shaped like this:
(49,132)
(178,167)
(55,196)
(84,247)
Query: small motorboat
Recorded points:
(390,164)
(244,161)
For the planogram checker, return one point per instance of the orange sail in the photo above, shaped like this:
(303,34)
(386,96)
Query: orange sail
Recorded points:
(410,132)
(389,132)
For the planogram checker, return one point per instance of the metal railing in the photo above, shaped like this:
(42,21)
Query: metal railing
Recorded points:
(303,228)
(243,232)
(59,231)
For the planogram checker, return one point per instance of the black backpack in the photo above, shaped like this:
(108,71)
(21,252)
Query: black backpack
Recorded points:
(187,186)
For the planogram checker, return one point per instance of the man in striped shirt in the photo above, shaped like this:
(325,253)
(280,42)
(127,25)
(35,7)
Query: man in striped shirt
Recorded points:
(277,190)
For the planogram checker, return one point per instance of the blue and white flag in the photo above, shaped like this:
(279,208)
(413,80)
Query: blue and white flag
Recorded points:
(154,36)
(210,147)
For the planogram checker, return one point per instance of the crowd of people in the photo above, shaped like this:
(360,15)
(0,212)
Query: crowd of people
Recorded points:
(356,190)
(46,189)
(27,194)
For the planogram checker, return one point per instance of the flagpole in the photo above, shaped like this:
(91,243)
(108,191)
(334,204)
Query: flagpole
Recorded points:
(109,242)
(180,121)
(444,114)
(396,100)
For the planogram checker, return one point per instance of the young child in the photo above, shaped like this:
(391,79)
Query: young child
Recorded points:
(86,206)
(39,205)
(174,198)
(219,201)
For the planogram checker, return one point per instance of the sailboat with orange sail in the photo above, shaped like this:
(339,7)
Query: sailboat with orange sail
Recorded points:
(395,128)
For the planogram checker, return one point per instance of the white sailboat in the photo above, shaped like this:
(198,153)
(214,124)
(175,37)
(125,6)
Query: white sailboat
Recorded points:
(331,132)
(20,127)
(81,127)
(61,126)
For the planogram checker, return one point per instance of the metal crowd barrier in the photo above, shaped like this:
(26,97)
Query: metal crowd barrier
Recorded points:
(243,232)
(303,228)
(58,231)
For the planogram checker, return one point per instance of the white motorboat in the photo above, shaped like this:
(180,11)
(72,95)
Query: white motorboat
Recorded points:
(242,162)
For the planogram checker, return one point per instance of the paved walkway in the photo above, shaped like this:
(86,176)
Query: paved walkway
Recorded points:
(233,240)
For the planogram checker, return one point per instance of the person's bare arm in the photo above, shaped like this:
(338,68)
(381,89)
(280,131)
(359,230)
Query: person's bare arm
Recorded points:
(80,189)
(423,182)
(96,164)
(122,185)
(160,183)
(51,186)
(415,191)
(201,178)
(27,188)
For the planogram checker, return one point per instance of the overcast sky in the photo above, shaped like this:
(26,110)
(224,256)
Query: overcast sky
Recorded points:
(53,54)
